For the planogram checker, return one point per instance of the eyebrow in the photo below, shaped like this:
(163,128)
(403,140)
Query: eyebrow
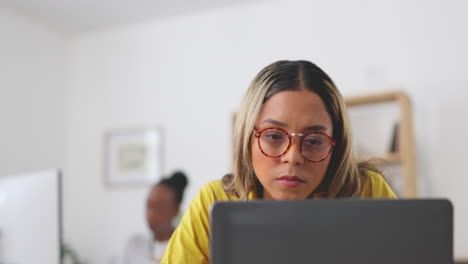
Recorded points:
(281,124)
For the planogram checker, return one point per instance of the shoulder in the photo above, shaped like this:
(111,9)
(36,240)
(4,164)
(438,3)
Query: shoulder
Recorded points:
(207,196)
(375,186)
(214,187)
(190,241)
(212,192)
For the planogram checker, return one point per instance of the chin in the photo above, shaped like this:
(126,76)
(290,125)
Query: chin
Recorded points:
(289,196)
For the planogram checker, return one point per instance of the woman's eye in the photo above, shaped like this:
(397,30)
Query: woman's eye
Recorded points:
(314,141)
(274,136)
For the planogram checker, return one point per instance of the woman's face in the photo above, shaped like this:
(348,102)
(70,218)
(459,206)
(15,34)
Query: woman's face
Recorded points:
(291,176)
(161,208)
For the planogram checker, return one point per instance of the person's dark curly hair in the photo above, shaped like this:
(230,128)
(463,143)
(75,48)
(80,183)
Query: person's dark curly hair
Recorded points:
(176,182)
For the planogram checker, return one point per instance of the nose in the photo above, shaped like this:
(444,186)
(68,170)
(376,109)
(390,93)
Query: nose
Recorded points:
(294,154)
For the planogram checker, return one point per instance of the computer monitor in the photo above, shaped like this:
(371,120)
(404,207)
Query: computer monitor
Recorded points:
(30,218)
(332,231)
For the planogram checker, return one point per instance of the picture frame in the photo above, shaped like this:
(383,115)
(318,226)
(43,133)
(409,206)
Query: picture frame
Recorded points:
(133,157)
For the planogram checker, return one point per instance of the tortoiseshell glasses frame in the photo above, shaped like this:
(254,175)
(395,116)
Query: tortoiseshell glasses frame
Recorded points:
(326,151)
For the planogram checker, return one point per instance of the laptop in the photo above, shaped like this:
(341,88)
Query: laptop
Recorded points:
(332,232)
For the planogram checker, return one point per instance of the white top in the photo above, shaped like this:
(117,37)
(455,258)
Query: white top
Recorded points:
(158,249)
(143,250)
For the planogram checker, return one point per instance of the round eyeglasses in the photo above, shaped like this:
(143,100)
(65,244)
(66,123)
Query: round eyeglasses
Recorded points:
(276,142)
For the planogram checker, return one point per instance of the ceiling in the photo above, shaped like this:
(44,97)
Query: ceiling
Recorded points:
(71,17)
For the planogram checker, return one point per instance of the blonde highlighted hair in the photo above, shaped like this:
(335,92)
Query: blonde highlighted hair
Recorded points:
(344,176)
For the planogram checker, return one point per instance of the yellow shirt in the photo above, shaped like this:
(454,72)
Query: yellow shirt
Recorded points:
(190,242)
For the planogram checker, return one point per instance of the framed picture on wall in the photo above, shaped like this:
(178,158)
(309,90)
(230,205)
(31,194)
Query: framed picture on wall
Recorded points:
(133,156)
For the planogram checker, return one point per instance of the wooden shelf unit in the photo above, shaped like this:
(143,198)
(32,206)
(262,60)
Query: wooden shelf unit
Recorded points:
(406,156)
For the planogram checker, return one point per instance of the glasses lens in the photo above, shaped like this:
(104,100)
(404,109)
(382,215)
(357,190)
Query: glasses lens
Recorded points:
(316,147)
(274,142)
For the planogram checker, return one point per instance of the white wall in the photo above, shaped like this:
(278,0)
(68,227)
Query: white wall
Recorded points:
(189,73)
(31,96)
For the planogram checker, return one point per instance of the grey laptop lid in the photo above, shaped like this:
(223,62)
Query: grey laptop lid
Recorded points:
(332,231)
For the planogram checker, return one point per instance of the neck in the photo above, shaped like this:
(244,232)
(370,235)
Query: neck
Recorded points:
(163,234)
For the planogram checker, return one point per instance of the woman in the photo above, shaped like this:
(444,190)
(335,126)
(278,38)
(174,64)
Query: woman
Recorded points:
(292,141)
(162,209)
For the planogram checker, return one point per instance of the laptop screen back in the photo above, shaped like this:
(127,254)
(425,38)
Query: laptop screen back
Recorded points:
(332,231)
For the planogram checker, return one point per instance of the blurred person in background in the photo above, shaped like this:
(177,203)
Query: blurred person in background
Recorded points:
(162,211)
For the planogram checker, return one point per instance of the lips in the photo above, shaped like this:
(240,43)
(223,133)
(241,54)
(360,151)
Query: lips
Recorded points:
(290,181)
